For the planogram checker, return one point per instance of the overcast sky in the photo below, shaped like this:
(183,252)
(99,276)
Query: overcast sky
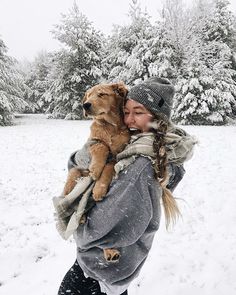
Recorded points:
(25,25)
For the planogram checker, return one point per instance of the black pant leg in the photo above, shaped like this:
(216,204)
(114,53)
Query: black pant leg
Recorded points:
(75,283)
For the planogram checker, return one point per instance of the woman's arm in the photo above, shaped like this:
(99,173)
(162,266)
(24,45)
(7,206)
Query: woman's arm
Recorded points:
(124,215)
(128,205)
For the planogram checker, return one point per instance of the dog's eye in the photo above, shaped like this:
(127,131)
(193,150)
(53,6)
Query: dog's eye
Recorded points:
(101,94)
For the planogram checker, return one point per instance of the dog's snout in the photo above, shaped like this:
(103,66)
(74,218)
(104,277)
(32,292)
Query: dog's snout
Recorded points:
(87,106)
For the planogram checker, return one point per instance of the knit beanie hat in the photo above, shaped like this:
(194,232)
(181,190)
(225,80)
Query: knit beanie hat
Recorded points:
(156,94)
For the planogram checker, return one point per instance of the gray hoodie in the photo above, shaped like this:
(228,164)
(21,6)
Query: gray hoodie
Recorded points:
(126,219)
(129,216)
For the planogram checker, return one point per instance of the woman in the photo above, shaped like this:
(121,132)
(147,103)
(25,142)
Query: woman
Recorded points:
(148,170)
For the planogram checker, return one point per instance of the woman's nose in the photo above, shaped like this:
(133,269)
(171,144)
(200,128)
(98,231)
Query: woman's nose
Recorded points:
(129,118)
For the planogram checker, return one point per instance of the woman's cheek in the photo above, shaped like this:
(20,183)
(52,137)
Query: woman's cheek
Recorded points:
(144,124)
(126,120)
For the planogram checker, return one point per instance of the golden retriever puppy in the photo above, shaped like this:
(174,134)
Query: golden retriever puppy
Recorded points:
(104,103)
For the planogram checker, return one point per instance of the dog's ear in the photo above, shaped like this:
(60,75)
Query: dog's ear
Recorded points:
(120,89)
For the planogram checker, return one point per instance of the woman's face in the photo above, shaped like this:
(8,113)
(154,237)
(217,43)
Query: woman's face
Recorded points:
(136,116)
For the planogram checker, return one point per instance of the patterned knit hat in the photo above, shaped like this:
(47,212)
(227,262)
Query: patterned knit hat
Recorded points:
(156,94)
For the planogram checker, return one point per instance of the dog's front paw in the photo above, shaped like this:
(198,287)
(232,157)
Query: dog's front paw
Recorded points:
(111,255)
(83,219)
(95,171)
(99,191)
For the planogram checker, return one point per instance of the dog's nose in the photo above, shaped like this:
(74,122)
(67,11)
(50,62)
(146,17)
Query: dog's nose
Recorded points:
(87,106)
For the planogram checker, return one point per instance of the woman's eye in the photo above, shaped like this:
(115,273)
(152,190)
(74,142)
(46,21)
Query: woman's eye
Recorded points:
(139,113)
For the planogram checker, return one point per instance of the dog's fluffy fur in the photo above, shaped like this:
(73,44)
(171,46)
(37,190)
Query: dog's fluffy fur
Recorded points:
(104,103)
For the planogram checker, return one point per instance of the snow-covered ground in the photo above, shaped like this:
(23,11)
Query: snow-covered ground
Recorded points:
(197,257)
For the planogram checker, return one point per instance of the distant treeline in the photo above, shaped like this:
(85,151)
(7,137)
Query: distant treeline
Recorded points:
(195,48)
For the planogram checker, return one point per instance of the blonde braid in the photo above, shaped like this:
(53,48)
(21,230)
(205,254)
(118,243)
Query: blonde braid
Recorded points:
(170,205)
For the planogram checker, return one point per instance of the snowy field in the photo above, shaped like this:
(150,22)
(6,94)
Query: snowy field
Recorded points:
(197,257)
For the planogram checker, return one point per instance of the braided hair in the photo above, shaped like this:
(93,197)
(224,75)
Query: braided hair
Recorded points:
(159,128)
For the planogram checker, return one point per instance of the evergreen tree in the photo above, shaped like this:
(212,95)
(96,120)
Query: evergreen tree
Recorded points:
(206,85)
(140,50)
(127,56)
(37,81)
(160,51)
(174,34)
(11,88)
(76,67)
(220,38)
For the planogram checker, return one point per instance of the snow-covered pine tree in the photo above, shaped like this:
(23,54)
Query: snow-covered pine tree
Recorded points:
(161,53)
(11,88)
(127,55)
(76,67)
(36,80)
(220,38)
(193,75)
(192,87)
(169,40)
(206,86)
(173,38)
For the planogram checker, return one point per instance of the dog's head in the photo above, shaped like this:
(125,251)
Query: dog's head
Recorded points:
(104,100)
